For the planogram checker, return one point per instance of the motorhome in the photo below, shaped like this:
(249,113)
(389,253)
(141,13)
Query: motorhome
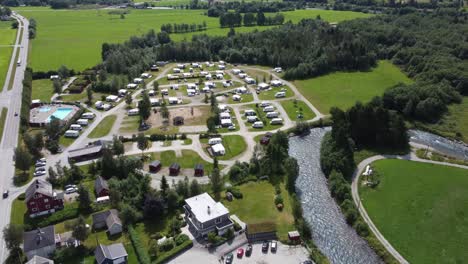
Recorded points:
(82,122)
(276,121)
(88,115)
(268,109)
(214,141)
(258,124)
(133,112)
(72,133)
(75,127)
(272,114)
(280,94)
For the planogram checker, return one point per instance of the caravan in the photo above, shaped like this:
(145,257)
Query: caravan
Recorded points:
(268,109)
(214,141)
(72,133)
(75,127)
(88,115)
(82,122)
(272,114)
(276,121)
(258,124)
(280,94)
(133,112)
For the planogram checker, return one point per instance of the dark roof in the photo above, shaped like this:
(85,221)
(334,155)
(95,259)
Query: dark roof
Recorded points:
(39,260)
(179,118)
(110,252)
(39,186)
(39,238)
(88,150)
(175,165)
(199,166)
(155,163)
(100,184)
(109,217)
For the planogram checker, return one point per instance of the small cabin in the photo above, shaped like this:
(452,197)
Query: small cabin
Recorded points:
(199,171)
(155,166)
(174,169)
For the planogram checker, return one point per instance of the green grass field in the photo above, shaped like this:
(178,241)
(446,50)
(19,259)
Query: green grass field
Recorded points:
(42,89)
(104,127)
(258,206)
(262,116)
(234,145)
(188,160)
(7,37)
(270,95)
(421,209)
(293,107)
(344,89)
(72,38)
(455,123)
(3,117)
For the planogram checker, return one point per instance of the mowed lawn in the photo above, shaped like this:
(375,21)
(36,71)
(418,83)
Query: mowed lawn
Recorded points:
(296,107)
(421,209)
(72,38)
(7,37)
(344,89)
(104,127)
(42,89)
(258,206)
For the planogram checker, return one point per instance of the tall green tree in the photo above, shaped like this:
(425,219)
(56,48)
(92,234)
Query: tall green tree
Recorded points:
(13,236)
(117,146)
(80,230)
(144,107)
(142,142)
(23,159)
(84,199)
(216,183)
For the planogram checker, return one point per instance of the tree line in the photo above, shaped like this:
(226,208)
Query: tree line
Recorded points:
(231,19)
(219,8)
(183,28)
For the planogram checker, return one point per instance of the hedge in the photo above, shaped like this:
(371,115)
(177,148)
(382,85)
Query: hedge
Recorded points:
(142,254)
(166,256)
(68,212)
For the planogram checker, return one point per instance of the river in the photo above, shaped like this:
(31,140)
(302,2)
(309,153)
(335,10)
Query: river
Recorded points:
(330,232)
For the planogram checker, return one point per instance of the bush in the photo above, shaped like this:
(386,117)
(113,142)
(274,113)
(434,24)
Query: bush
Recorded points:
(180,239)
(22,196)
(277,190)
(280,206)
(140,251)
(278,199)
(361,228)
(165,256)
(229,234)
(235,192)
(157,236)
(237,226)
(167,245)
(351,216)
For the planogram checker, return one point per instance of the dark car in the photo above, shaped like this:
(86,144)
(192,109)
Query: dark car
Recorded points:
(265,246)
(248,251)
(307,262)
(229,258)
(5,194)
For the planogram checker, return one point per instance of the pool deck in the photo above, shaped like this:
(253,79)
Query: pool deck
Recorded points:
(40,116)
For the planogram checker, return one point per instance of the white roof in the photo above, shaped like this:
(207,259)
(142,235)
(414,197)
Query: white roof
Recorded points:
(224,114)
(263,84)
(226,121)
(122,91)
(114,97)
(172,99)
(191,91)
(222,106)
(199,206)
(276,82)
(130,85)
(36,101)
(134,110)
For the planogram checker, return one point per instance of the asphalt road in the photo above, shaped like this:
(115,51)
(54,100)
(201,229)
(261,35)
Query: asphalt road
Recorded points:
(12,100)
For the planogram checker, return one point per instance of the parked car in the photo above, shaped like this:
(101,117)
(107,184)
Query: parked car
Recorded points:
(274,246)
(229,258)
(240,252)
(42,160)
(40,164)
(70,190)
(265,246)
(248,251)
(39,173)
(70,186)
(232,128)
(5,194)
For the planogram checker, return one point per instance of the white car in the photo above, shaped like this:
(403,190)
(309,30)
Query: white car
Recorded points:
(40,164)
(70,186)
(70,190)
(39,173)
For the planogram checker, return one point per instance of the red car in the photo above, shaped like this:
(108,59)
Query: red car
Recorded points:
(240,252)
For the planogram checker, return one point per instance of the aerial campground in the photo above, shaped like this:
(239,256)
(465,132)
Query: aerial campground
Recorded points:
(229,131)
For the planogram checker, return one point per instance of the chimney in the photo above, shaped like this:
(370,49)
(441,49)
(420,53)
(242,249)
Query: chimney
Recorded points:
(209,209)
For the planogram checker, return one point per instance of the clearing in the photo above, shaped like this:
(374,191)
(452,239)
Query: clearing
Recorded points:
(104,127)
(421,210)
(258,206)
(296,108)
(71,38)
(344,89)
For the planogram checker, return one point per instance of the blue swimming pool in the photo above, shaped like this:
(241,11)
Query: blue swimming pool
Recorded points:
(61,113)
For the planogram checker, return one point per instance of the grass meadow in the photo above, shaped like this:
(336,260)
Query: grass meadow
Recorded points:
(72,38)
(7,37)
(104,127)
(420,209)
(343,89)
(295,107)
(42,89)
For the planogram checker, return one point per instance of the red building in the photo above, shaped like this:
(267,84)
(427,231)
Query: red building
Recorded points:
(41,199)
(101,187)
(199,172)
(174,169)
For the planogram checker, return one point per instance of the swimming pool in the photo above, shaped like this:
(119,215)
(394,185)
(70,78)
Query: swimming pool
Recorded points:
(61,113)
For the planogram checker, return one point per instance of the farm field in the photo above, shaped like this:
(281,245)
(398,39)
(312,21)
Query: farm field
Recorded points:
(455,123)
(421,209)
(7,37)
(257,206)
(72,39)
(343,89)
(42,89)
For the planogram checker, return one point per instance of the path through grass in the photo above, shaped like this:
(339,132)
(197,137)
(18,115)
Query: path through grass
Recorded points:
(421,209)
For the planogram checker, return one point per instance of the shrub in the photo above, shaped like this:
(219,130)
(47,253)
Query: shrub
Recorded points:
(69,212)
(22,196)
(140,251)
(237,226)
(361,228)
(278,199)
(165,256)
(156,236)
(229,234)
(235,192)
(277,190)
(183,136)
(167,245)
(351,216)
(181,239)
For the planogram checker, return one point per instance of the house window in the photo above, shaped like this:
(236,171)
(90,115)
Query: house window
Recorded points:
(32,203)
(218,220)
(34,209)
(47,206)
(46,200)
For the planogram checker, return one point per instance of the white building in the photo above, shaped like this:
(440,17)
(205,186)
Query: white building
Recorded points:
(138,80)
(112,98)
(218,149)
(132,86)
(236,97)
(249,80)
(276,83)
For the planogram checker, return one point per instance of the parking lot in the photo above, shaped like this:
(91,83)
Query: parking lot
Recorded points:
(283,255)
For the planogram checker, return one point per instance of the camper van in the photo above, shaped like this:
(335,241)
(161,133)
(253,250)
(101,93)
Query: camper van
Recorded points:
(82,122)
(252,119)
(165,92)
(75,127)
(173,100)
(98,104)
(132,86)
(72,133)
(264,104)
(250,112)
(272,114)
(133,112)
(258,124)
(102,200)
(214,141)
(88,115)
(138,80)
(280,94)
(268,109)
(276,121)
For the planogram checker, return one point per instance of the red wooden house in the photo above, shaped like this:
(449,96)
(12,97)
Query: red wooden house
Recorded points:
(41,199)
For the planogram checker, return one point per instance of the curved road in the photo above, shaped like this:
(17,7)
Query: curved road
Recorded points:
(362,210)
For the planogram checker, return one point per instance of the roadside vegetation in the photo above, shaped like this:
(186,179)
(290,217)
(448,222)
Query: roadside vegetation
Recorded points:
(104,127)
(424,222)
